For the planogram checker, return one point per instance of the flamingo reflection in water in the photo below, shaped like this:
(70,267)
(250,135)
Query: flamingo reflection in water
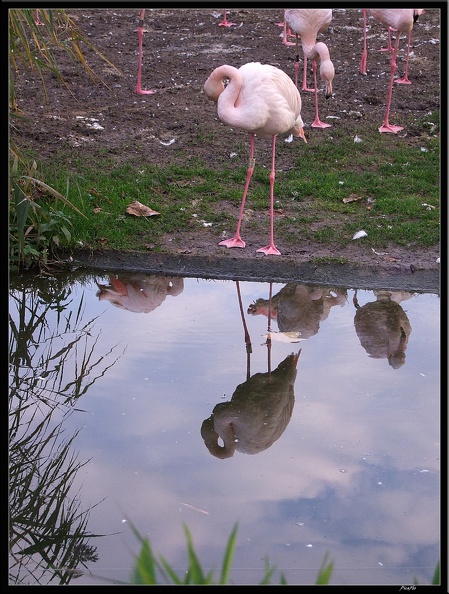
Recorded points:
(259,410)
(139,293)
(383,327)
(299,309)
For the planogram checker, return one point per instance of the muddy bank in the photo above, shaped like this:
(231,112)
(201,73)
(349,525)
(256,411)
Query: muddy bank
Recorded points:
(263,269)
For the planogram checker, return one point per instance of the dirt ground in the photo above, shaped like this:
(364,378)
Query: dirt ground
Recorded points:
(181,48)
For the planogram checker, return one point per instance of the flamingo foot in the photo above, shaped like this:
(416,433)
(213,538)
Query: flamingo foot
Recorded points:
(226,24)
(319,124)
(142,92)
(386,127)
(286,42)
(402,81)
(269,250)
(308,90)
(236,241)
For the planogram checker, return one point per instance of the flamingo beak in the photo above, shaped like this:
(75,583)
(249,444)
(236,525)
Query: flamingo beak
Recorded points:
(302,135)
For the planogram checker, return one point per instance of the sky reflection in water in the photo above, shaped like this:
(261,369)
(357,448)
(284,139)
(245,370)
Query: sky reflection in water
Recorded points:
(352,466)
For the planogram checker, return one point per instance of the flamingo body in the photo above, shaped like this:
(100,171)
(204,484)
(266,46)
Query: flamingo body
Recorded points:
(257,414)
(307,23)
(264,101)
(383,329)
(259,98)
(401,19)
(139,293)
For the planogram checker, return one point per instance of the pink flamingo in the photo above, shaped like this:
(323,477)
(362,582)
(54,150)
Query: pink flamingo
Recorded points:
(224,22)
(402,20)
(264,101)
(373,12)
(306,24)
(139,89)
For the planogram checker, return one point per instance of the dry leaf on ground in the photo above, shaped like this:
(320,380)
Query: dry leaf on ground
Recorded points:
(138,209)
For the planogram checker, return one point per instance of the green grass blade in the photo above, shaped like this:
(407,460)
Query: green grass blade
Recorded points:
(145,568)
(171,572)
(195,573)
(229,553)
(54,193)
(325,571)
(268,573)
(436,576)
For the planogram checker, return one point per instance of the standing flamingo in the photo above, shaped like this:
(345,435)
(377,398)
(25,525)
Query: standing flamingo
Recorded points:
(262,100)
(373,12)
(306,24)
(402,20)
(139,89)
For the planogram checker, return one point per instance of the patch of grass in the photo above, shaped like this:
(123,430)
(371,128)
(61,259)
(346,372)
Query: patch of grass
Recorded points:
(396,186)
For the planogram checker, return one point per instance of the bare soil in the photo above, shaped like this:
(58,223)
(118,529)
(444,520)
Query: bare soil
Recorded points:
(181,48)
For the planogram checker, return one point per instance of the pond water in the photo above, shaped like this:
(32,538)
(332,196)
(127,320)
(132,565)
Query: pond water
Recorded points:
(121,416)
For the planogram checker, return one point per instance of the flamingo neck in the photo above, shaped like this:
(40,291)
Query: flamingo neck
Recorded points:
(319,50)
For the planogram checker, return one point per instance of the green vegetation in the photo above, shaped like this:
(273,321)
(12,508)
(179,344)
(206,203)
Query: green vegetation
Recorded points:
(397,203)
(37,226)
(149,570)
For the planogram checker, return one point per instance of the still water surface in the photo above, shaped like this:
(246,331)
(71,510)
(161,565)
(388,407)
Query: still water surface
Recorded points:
(136,376)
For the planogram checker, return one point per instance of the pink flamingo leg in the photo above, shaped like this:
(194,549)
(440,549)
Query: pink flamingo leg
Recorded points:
(386,126)
(271,249)
(297,62)
(389,47)
(304,78)
(405,80)
(224,22)
(269,330)
(364,53)
(237,241)
(139,89)
(249,348)
(283,22)
(288,33)
(37,19)
(317,122)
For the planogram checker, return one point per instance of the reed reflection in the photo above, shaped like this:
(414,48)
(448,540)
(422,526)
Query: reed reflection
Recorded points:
(260,408)
(49,540)
(299,309)
(139,293)
(383,327)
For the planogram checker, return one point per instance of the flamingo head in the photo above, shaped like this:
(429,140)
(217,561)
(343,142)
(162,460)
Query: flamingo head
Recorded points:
(210,437)
(327,73)
(417,13)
